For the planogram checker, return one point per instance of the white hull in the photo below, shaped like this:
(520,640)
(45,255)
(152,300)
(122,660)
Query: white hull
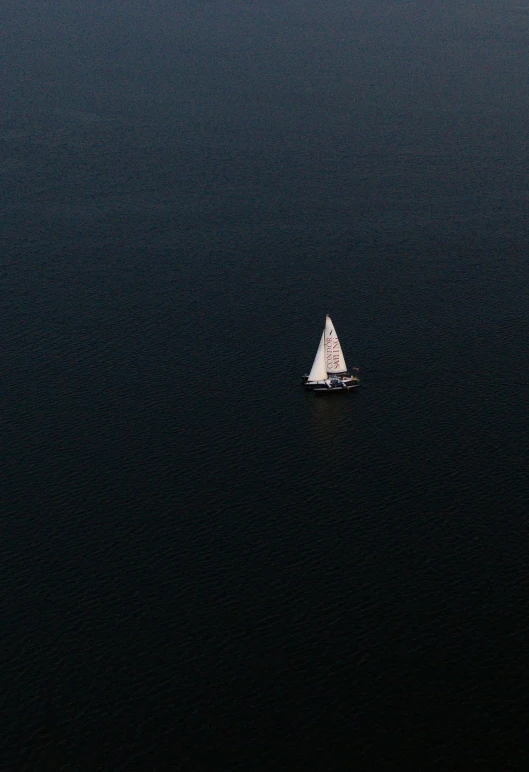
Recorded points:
(342,383)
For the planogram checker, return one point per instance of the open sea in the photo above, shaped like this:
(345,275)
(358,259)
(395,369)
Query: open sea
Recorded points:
(202,565)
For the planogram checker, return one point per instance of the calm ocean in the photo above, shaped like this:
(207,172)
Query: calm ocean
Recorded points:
(203,566)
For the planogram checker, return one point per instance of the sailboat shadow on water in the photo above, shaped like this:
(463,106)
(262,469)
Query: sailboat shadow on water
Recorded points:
(329,371)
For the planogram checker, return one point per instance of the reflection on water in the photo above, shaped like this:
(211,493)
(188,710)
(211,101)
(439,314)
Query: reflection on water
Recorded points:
(329,413)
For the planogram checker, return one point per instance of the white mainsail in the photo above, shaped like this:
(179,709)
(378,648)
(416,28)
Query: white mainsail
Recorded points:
(334,359)
(319,372)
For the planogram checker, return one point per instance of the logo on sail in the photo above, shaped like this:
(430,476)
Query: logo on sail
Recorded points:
(333,354)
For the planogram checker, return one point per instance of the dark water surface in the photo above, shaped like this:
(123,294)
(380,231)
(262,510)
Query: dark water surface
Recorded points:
(203,566)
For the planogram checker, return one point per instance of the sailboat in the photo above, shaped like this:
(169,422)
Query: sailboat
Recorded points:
(329,371)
